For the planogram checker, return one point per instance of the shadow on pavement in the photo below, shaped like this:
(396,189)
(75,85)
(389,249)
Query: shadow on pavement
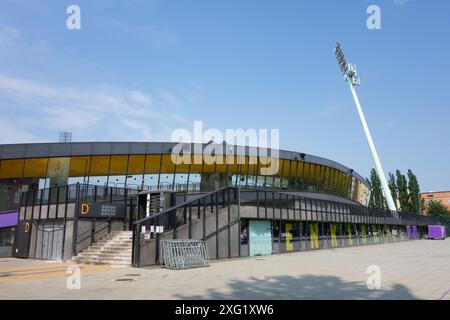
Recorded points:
(302,287)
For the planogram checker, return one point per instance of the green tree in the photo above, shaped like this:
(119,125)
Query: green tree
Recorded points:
(402,187)
(393,187)
(436,208)
(376,197)
(414,190)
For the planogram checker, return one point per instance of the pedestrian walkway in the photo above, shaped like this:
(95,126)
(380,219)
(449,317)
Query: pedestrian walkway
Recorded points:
(408,270)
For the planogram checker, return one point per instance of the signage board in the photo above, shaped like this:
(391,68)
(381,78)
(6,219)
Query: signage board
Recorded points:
(102,210)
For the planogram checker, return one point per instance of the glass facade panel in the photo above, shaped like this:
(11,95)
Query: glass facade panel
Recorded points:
(182,168)
(36,168)
(286,168)
(232,165)
(150,181)
(196,167)
(12,168)
(221,166)
(58,171)
(118,165)
(135,171)
(300,169)
(134,181)
(294,166)
(136,164)
(152,163)
(98,180)
(99,166)
(305,171)
(145,171)
(79,166)
(167,165)
(312,172)
(117,181)
(166,180)
(209,168)
(317,177)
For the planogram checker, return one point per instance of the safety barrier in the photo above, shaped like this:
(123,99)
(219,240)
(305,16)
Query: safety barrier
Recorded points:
(183,254)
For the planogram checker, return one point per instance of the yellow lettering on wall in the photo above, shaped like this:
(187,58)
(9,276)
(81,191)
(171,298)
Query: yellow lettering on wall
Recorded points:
(363,234)
(289,245)
(334,242)
(84,208)
(314,235)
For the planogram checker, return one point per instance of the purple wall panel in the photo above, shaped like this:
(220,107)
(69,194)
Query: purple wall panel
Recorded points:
(436,232)
(411,232)
(9,219)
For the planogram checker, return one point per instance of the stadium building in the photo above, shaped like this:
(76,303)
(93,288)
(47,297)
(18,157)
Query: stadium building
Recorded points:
(99,202)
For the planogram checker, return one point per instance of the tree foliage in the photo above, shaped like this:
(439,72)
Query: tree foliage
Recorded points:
(414,190)
(393,188)
(377,199)
(436,208)
(405,192)
(402,187)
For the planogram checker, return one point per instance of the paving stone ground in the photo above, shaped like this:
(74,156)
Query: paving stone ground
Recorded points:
(409,270)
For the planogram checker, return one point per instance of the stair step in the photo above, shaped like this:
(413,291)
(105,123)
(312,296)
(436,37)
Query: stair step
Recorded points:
(113,249)
(105,257)
(118,244)
(101,254)
(108,250)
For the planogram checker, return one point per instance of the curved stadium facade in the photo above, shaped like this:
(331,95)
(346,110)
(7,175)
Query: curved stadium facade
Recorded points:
(144,166)
(70,198)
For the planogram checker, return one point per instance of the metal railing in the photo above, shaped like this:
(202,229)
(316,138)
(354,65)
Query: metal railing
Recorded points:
(269,205)
(94,193)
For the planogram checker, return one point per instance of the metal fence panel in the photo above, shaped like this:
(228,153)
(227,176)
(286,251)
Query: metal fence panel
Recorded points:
(183,254)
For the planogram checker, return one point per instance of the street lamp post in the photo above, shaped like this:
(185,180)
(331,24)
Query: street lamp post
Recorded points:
(350,75)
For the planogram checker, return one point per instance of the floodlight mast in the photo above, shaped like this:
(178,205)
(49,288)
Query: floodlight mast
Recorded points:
(351,76)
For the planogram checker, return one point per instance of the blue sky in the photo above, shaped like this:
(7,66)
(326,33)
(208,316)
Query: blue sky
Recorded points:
(139,69)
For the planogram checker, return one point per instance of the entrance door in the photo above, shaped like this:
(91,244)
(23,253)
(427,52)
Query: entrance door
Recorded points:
(22,241)
(260,238)
(49,240)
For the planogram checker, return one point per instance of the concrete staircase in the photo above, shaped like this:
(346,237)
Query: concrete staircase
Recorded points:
(114,249)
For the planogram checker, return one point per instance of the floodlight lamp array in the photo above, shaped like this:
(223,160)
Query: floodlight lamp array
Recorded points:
(347,69)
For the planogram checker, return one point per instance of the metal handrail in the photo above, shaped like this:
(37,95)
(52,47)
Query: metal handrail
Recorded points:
(178,206)
(107,220)
(371,211)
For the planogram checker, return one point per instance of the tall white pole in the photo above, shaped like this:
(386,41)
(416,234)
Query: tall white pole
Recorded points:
(378,168)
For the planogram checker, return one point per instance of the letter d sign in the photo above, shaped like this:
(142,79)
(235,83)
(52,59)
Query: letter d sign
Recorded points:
(84,209)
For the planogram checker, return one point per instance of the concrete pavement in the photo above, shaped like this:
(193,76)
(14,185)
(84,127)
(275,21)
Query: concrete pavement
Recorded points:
(409,270)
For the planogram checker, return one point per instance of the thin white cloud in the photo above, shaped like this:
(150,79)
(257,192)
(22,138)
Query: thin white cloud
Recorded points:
(91,113)
(139,97)
(8,35)
(12,131)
